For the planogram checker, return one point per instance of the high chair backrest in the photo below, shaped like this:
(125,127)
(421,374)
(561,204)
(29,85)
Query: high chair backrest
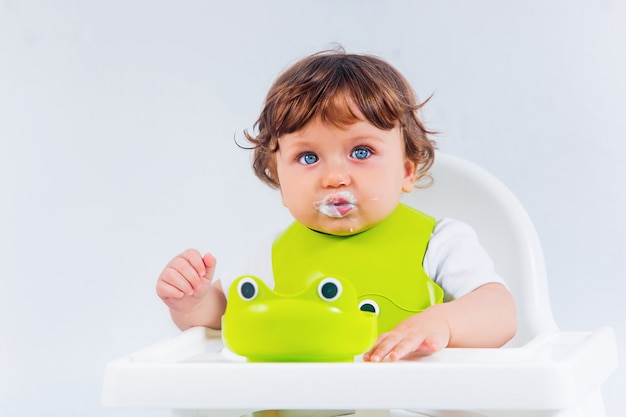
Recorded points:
(463,191)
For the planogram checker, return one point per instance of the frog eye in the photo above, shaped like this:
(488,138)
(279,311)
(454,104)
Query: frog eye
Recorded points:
(329,289)
(369,305)
(248,289)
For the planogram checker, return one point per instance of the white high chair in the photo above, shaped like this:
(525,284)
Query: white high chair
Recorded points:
(541,372)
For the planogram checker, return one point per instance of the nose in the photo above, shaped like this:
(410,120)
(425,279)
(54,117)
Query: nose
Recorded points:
(335,175)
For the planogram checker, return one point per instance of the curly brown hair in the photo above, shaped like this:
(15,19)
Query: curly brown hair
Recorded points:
(326,85)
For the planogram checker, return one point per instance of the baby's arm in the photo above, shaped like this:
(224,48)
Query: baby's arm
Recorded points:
(484,317)
(186,286)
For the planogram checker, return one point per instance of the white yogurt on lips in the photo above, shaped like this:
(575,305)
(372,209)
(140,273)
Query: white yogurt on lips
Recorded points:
(336,205)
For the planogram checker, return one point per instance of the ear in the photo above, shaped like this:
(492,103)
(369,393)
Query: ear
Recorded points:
(410,172)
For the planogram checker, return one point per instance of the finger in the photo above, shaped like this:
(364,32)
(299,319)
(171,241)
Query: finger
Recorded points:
(209,263)
(383,346)
(195,259)
(430,344)
(182,268)
(405,346)
(165,290)
(178,280)
(367,356)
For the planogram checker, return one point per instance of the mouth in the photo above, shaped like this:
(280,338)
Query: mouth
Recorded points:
(336,205)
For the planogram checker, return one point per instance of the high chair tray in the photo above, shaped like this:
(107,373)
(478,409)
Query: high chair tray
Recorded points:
(193,370)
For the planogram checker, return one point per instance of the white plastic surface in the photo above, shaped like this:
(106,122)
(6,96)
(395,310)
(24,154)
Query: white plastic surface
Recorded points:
(541,372)
(464,191)
(555,371)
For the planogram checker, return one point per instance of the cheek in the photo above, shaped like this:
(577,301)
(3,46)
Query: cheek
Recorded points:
(292,193)
(282,197)
(388,177)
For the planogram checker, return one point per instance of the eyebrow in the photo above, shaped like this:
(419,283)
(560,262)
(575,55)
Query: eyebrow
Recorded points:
(367,137)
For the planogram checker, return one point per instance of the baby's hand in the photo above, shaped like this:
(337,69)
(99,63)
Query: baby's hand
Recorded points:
(425,332)
(185,280)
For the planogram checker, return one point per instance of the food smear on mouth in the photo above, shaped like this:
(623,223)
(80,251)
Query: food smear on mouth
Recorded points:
(336,205)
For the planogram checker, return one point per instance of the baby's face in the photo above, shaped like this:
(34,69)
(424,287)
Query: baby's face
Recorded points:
(342,180)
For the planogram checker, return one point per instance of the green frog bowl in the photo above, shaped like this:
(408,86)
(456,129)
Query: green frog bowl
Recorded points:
(323,323)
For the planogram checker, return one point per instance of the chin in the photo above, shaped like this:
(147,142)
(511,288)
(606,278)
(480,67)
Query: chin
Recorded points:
(340,227)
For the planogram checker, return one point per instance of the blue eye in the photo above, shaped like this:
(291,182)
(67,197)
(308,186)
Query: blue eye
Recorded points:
(308,158)
(361,153)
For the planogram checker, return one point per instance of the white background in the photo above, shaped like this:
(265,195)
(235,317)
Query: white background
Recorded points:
(117,129)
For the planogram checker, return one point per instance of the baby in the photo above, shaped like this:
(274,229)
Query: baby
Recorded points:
(340,138)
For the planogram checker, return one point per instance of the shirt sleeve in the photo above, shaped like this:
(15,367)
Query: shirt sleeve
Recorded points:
(456,260)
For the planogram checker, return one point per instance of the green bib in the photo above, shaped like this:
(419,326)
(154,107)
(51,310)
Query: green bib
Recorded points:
(384,264)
